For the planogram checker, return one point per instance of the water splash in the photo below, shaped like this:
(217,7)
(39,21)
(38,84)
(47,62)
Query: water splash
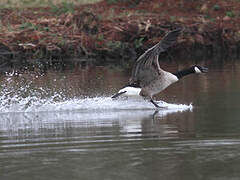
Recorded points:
(24,93)
(26,104)
(53,104)
(88,112)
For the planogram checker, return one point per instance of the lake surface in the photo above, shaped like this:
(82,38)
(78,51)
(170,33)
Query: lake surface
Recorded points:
(64,125)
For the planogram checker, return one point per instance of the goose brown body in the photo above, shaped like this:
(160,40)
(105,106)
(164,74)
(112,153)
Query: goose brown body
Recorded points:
(147,78)
(147,73)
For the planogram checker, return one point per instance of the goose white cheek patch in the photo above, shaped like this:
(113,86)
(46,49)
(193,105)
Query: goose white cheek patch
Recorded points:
(197,70)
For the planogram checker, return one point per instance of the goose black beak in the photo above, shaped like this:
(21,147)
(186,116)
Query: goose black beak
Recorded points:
(204,70)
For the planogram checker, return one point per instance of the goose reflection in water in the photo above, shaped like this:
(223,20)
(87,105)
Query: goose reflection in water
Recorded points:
(125,122)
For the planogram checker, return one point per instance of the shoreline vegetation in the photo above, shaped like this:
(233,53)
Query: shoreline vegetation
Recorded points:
(47,33)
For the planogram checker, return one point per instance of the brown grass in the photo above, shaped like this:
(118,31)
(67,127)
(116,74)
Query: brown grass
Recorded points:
(40,3)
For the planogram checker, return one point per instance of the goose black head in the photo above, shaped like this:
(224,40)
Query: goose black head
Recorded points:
(200,69)
(191,70)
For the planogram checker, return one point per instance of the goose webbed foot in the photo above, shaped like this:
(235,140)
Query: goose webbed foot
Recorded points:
(155,104)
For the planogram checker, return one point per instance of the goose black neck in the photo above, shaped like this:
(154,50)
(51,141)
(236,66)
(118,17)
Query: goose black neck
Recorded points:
(184,72)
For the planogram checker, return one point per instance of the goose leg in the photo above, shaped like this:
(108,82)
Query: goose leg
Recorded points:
(155,104)
(154,114)
(144,93)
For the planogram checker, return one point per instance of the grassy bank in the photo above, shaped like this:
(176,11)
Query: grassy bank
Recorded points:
(114,31)
(41,3)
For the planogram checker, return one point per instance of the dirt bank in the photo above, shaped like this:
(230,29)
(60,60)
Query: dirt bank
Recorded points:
(114,31)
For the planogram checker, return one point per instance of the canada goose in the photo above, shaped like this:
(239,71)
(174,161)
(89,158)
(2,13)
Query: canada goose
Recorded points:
(148,78)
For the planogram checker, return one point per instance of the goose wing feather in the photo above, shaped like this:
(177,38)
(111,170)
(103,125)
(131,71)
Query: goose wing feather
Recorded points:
(144,70)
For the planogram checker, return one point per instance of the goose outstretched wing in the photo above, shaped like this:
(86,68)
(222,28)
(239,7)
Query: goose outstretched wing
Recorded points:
(146,68)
